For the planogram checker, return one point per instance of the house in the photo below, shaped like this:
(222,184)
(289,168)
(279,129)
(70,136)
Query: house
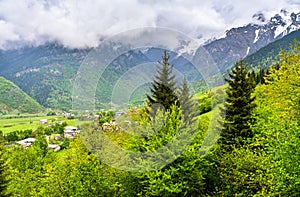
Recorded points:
(69,115)
(26,142)
(119,113)
(43,121)
(58,137)
(111,126)
(54,147)
(70,132)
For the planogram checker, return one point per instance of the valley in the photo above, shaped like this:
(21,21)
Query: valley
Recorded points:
(153,124)
(47,72)
(33,121)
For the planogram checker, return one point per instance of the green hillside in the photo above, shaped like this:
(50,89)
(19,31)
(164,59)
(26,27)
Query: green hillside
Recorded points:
(46,73)
(268,55)
(12,98)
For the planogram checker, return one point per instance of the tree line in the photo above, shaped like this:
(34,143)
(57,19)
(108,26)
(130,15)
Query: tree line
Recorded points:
(256,154)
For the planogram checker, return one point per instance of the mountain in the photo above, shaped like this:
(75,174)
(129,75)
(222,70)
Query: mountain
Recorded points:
(47,72)
(268,55)
(12,98)
(242,41)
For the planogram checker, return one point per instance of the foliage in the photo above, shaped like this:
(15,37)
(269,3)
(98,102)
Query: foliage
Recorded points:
(267,165)
(284,82)
(277,131)
(13,98)
(210,99)
(163,87)
(184,175)
(268,55)
(17,135)
(238,108)
(188,105)
(3,174)
(235,173)
(105,117)
(65,144)
(205,104)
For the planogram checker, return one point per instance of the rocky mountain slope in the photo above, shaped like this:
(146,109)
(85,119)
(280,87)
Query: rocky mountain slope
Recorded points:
(242,41)
(268,55)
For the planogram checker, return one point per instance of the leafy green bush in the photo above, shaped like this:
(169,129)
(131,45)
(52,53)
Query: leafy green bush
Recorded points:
(205,105)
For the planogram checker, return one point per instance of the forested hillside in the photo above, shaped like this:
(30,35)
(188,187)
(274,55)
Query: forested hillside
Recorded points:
(46,72)
(257,154)
(268,55)
(13,99)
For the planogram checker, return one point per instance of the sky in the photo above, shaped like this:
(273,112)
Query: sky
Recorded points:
(79,24)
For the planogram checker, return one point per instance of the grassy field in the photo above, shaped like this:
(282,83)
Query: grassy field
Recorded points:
(9,124)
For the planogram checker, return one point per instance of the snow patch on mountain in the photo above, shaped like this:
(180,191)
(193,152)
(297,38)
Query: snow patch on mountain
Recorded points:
(188,48)
(279,30)
(242,41)
(248,50)
(282,21)
(293,28)
(256,36)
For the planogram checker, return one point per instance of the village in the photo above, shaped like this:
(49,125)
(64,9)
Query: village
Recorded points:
(69,132)
(58,133)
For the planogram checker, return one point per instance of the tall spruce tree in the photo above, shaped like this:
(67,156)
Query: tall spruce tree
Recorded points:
(238,107)
(163,87)
(188,106)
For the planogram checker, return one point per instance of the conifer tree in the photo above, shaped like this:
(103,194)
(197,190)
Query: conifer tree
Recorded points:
(163,86)
(188,106)
(260,78)
(238,107)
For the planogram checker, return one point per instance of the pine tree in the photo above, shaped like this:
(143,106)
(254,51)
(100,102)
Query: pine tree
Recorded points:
(188,106)
(262,76)
(163,86)
(238,107)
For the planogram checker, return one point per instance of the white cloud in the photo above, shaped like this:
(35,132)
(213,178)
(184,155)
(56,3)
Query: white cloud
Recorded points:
(83,23)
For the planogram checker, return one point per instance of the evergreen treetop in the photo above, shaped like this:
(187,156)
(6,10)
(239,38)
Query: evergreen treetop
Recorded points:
(238,107)
(188,106)
(163,86)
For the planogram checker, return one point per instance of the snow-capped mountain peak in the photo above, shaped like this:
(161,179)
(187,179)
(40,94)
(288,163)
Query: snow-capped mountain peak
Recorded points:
(259,18)
(242,41)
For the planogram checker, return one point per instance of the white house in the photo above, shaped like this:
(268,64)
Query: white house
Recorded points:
(54,147)
(119,113)
(43,121)
(26,142)
(70,132)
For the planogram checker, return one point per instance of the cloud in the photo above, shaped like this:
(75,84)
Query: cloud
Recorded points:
(83,23)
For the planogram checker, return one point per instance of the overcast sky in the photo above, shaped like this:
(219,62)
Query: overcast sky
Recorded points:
(82,23)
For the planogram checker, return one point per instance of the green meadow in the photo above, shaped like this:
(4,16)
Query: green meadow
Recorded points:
(14,123)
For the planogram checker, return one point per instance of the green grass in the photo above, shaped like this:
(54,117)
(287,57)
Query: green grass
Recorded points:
(202,94)
(9,124)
